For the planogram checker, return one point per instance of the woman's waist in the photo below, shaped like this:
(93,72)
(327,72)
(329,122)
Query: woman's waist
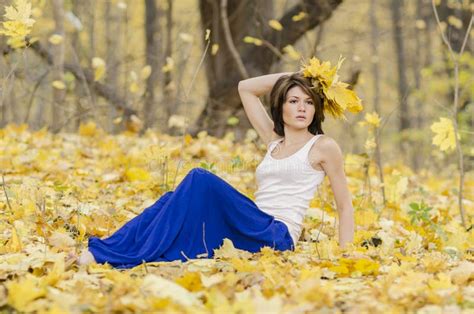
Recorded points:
(294,211)
(282,197)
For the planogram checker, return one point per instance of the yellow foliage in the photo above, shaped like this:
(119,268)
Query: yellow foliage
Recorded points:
(253,40)
(298,17)
(444,134)
(58,84)
(14,244)
(214,49)
(24,291)
(137,174)
(18,24)
(372,119)
(275,25)
(88,129)
(65,188)
(169,66)
(337,96)
(55,39)
(291,52)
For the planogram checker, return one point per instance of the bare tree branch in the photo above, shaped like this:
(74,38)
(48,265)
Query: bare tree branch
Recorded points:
(230,42)
(82,74)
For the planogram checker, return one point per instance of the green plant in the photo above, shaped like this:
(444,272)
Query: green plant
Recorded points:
(420,212)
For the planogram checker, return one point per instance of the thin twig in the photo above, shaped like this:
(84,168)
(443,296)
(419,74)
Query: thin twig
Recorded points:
(144,266)
(187,258)
(319,232)
(72,117)
(467,35)
(230,42)
(455,60)
(204,237)
(176,173)
(6,195)
(32,97)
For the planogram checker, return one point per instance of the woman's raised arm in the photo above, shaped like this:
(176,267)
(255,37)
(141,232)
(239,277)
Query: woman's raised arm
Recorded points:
(250,90)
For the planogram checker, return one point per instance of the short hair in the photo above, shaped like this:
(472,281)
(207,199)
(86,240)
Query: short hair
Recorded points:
(278,98)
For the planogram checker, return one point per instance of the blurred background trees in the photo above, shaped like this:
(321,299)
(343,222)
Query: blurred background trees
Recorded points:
(138,65)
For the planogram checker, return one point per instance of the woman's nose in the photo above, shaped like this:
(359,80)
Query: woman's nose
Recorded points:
(301,106)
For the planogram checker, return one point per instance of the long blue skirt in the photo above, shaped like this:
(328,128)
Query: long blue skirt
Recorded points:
(190,221)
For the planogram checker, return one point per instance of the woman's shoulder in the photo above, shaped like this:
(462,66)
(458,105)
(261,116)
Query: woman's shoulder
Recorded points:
(326,140)
(326,147)
(273,138)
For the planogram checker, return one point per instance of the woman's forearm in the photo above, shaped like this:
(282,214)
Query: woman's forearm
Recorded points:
(346,226)
(260,85)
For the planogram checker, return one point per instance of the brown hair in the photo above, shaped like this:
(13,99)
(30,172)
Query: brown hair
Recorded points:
(278,98)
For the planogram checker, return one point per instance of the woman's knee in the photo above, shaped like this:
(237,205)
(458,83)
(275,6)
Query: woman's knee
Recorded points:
(200,172)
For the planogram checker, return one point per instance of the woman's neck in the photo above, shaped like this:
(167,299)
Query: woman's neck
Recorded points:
(294,137)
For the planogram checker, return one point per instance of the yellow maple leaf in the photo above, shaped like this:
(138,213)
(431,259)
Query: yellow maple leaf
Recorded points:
(214,49)
(21,11)
(337,96)
(98,64)
(190,280)
(372,118)
(275,25)
(88,129)
(321,70)
(370,144)
(292,53)
(367,266)
(298,17)
(444,134)
(158,286)
(227,250)
(169,66)
(145,72)
(56,39)
(61,240)
(442,282)
(58,84)
(253,40)
(137,174)
(341,270)
(14,244)
(24,291)
(18,24)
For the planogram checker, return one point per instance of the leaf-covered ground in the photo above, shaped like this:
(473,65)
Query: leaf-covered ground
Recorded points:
(410,255)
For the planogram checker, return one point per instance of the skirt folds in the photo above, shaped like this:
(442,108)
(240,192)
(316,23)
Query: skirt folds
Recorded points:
(189,221)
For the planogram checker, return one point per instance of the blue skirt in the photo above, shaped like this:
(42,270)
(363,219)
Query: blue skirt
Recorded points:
(192,220)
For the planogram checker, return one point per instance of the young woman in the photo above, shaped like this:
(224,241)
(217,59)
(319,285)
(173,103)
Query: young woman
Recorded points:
(194,219)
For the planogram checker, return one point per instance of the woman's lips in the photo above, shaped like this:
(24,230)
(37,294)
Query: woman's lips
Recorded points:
(300,118)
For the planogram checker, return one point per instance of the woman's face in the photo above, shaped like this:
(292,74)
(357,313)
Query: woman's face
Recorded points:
(298,109)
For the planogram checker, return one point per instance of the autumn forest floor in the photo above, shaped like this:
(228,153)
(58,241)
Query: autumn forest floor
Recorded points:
(411,254)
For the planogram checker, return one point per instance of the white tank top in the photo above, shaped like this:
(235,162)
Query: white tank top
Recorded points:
(286,186)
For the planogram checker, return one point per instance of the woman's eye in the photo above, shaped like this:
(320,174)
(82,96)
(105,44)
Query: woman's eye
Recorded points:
(292,101)
(309,102)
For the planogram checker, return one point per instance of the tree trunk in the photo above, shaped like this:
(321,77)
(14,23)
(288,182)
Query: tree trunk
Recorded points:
(3,71)
(91,4)
(221,70)
(113,43)
(374,41)
(153,57)
(169,93)
(77,10)
(58,64)
(397,8)
(375,56)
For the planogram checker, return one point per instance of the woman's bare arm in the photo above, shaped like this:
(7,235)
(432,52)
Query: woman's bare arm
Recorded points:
(250,90)
(332,162)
